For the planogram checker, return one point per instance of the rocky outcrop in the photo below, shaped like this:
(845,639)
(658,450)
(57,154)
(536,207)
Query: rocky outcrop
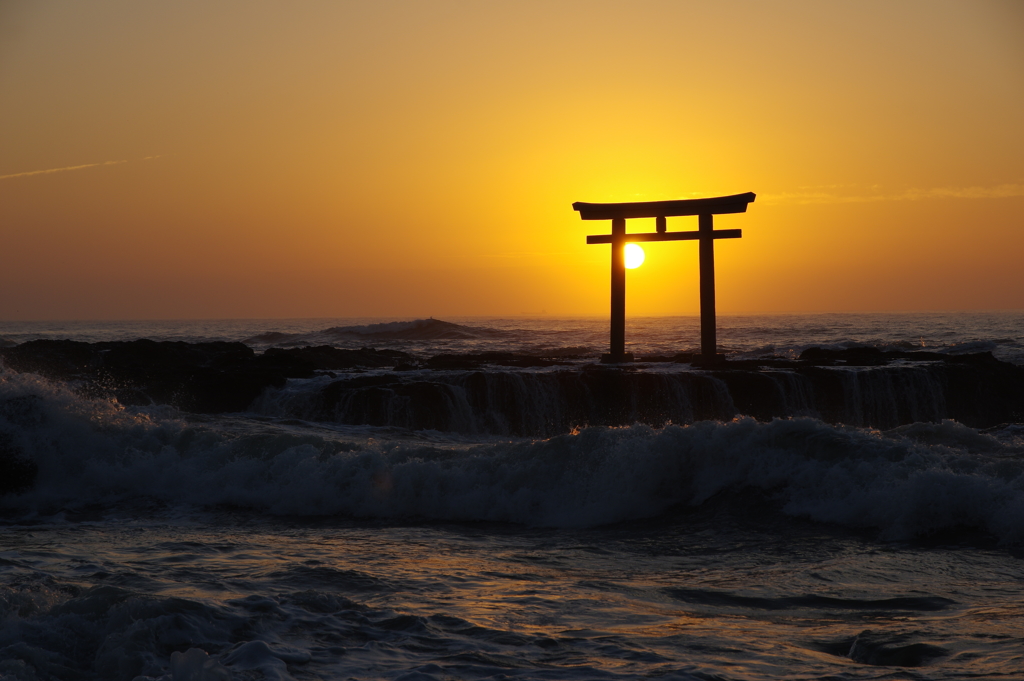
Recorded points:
(210,377)
(491,393)
(872,391)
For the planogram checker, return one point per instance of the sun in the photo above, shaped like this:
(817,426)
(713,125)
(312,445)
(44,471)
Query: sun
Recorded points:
(634,256)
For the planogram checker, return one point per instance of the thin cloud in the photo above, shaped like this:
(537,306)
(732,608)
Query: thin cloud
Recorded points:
(62,170)
(524,254)
(997,192)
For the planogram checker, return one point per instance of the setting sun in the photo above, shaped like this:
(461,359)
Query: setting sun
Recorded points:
(634,256)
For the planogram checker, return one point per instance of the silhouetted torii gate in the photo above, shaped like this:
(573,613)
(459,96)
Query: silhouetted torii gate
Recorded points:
(618,213)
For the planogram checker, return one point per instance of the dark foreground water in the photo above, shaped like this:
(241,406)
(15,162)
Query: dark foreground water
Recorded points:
(162,544)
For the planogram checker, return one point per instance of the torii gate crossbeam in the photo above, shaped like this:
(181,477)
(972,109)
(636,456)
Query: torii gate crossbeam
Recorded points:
(705,209)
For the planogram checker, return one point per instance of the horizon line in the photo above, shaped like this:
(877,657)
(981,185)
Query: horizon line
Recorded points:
(502,316)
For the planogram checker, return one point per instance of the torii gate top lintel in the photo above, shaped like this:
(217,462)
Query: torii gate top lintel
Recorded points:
(737,203)
(706,209)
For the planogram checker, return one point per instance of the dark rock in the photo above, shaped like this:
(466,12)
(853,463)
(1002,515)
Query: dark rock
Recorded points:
(709,361)
(507,359)
(326,357)
(754,394)
(405,366)
(850,356)
(857,386)
(529,361)
(981,391)
(679,358)
(291,365)
(51,358)
(454,362)
(202,377)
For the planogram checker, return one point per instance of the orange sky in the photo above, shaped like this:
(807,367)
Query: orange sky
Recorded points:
(266,159)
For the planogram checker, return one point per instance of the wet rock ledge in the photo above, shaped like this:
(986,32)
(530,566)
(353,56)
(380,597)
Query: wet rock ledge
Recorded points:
(484,392)
(209,378)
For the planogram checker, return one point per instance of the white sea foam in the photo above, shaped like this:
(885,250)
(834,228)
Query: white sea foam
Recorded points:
(911,481)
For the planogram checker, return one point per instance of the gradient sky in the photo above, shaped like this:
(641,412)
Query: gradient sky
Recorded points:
(387,159)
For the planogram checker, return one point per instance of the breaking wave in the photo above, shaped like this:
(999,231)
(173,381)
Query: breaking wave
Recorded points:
(910,481)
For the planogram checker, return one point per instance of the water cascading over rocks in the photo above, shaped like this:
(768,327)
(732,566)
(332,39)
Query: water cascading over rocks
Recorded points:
(510,395)
(975,390)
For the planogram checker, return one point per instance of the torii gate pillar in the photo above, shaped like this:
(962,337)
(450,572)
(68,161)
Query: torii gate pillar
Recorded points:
(618,333)
(706,234)
(708,322)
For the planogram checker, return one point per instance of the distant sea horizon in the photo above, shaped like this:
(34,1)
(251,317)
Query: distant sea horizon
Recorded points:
(739,335)
(527,315)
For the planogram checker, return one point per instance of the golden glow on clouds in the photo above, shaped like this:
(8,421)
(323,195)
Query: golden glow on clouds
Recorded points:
(414,159)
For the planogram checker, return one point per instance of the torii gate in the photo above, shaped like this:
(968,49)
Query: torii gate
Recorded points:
(618,213)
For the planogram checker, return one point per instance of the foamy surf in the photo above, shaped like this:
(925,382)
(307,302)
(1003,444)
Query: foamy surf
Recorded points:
(911,481)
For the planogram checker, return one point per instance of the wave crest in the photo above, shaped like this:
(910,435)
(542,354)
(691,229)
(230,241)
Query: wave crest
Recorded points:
(908,482)
(417,329)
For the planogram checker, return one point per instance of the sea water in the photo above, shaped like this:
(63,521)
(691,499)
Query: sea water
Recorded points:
(162,544)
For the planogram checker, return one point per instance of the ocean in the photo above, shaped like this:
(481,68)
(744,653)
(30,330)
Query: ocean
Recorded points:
(479,498)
